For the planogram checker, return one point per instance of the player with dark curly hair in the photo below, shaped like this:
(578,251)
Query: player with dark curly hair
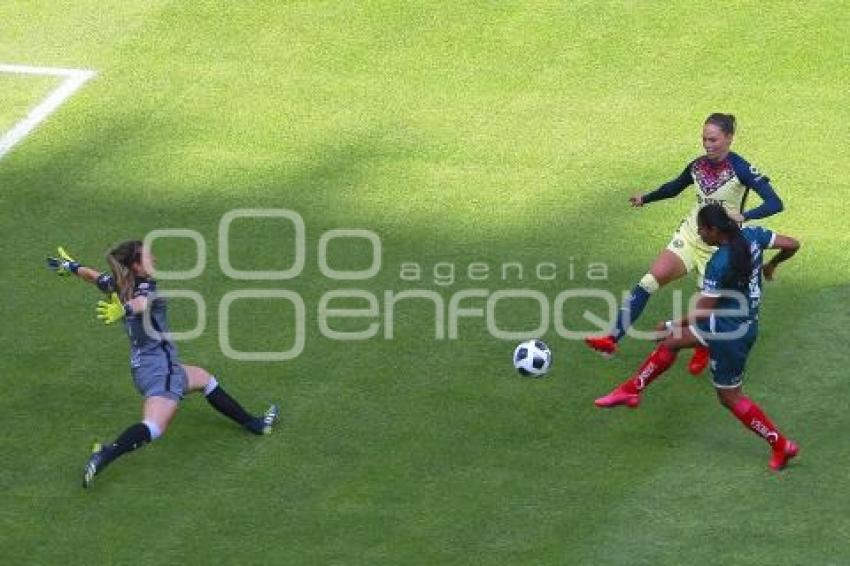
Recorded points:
(725,321)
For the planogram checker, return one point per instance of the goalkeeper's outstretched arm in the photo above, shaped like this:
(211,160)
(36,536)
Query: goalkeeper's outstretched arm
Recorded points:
(64,265)
(88,274)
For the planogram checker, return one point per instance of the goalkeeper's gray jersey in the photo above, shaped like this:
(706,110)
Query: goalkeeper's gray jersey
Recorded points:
(145,339)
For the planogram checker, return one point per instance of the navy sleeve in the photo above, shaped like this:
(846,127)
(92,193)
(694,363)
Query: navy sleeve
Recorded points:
(105,283)
(144,288)
(670,189)
(751,177)
(763,237)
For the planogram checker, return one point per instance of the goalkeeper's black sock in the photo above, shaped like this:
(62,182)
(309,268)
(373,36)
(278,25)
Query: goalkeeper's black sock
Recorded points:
(230,408)
(134,437)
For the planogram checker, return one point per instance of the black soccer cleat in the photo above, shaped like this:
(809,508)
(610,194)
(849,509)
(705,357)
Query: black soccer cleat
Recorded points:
(97,461)
(269,419)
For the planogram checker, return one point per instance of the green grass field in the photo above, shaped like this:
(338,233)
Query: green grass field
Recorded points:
(475,132)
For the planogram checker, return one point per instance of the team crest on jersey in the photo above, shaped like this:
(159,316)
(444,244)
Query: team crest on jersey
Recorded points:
(711,176)
(677,243)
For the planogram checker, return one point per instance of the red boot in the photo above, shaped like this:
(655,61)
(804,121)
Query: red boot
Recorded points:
(618,397)
(699,361)
(628,392)
(781,457)
(605,345)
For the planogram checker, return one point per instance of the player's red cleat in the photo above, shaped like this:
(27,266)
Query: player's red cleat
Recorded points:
(699,361)
(781,457)
(605,345)
(618,397)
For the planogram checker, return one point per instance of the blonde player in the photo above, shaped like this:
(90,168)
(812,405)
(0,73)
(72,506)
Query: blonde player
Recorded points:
(721,177)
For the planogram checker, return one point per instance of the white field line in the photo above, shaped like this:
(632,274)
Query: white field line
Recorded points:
(74,79)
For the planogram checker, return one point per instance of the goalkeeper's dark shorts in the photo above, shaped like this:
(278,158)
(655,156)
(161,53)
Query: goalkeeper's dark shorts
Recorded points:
(160,374)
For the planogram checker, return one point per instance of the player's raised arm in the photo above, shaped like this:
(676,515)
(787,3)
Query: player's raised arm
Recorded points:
(667,190)
(64,265)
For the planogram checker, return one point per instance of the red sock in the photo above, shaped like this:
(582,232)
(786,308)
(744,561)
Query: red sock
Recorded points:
(655,364)
(754,419)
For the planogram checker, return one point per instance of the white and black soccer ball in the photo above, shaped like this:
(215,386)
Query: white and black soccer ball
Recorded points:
(533,358)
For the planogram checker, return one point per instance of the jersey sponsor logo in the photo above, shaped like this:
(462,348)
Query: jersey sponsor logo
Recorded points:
(703,201)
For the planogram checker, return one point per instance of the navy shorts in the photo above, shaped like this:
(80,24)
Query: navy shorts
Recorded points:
(728,357)
(160,374)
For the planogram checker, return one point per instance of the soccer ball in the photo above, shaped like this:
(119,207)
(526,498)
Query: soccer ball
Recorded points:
(533,358)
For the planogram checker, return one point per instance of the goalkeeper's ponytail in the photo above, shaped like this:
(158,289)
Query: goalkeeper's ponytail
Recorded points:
(121,259)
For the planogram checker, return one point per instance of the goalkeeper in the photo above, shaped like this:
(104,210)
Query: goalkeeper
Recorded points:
(158,374)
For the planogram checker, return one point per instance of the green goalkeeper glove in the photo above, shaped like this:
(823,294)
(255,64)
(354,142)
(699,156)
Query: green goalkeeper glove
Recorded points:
(64,264)
(112,310)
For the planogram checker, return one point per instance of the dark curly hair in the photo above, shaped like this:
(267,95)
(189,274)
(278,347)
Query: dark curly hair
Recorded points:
(715,216)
